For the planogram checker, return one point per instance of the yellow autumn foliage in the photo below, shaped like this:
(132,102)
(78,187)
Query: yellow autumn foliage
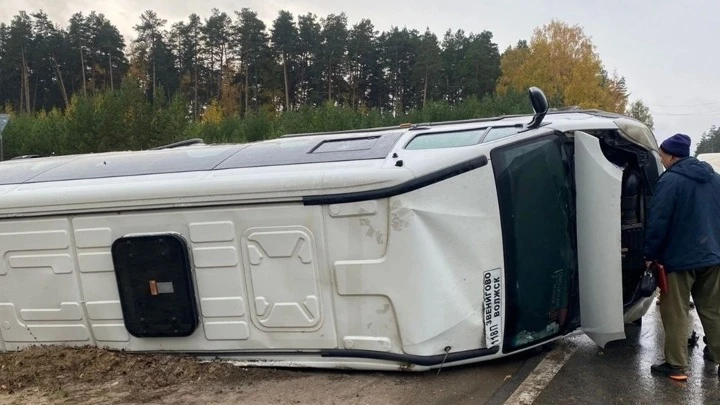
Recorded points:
(229,97)
(562,61)
(213,113)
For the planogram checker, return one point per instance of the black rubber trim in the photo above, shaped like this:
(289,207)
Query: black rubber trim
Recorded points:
(433,360)
(406,187)
(412,359)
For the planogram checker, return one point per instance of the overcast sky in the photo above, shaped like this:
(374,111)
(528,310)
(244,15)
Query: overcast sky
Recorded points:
(666,50)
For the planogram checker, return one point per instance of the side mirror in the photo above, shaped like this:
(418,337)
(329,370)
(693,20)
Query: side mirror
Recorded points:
(540,106)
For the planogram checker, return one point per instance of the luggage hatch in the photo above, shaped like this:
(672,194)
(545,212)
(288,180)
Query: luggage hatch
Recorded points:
(155,284)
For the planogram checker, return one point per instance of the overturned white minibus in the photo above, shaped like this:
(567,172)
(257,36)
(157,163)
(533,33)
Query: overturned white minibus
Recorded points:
(404,248)
(712,158)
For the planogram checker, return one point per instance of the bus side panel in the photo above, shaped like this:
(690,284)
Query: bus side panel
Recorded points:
(260,278)
(359,231)
(40,298)
(444,241)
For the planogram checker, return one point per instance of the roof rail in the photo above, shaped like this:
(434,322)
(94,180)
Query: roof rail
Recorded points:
(536,96)
(407,126)
(178,144)
(472,120)
(346,131)
(25,157)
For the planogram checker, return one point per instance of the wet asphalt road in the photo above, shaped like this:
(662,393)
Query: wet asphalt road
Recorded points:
(620,373)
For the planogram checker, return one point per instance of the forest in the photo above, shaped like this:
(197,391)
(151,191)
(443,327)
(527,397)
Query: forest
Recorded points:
(80,86)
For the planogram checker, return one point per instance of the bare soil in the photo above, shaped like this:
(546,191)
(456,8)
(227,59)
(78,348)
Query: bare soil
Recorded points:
(65,375)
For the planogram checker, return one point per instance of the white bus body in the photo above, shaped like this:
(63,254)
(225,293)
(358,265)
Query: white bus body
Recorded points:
(712,158)
(397,248)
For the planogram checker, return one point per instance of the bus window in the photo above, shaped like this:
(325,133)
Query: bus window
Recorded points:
(501,132)
(446,139)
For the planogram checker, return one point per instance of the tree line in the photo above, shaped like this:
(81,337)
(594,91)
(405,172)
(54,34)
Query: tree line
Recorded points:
(709,142)
(241,63)
(230,77)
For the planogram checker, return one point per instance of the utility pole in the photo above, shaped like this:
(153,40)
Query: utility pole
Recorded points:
(4,119)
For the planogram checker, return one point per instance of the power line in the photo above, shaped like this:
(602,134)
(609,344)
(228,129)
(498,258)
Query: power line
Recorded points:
(698,114)
(683,105)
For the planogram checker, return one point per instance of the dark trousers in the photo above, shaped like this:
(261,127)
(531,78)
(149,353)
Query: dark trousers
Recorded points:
(704,285)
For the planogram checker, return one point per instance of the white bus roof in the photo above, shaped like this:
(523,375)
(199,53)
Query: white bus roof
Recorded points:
(288,150)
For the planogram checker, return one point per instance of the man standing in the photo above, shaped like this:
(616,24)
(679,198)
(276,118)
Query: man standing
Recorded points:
(683,234)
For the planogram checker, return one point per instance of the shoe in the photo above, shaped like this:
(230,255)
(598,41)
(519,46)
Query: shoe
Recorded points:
(674,372)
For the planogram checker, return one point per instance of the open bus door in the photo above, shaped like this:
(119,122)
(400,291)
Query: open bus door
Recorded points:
(598,189)
(560,215)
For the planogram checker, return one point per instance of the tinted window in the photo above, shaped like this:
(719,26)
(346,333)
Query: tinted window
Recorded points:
(446,139)
(535,196)
(501,132)
(346,145)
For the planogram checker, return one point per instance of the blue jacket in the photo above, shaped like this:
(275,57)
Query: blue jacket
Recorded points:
(683,224)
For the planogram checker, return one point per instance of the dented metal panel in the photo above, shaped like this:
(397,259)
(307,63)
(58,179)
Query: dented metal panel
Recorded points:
(432,273)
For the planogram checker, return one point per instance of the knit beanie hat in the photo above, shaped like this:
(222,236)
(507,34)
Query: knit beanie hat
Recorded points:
(677,145)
